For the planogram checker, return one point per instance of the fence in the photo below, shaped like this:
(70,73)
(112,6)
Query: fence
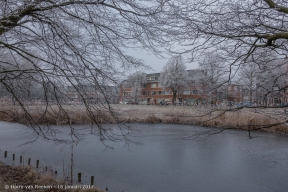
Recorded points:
(37,167)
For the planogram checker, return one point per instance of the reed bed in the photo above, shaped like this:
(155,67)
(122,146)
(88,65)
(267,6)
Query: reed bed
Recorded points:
(272,119)
(55,115)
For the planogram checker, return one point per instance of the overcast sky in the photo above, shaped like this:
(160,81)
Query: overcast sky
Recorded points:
(157,63)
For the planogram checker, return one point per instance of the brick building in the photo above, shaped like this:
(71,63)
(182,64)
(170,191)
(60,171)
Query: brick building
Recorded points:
(153,93)
(272,96)
(234,93)
(194,93)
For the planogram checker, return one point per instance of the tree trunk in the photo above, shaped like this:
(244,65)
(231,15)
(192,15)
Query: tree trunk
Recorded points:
(174,97)
(250,99)
(251,92)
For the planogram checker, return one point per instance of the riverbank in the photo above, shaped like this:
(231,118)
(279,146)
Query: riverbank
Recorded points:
(23,178)
(267,119)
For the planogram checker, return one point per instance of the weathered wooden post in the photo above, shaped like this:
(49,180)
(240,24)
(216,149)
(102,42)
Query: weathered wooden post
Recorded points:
(13,157)
(106,189)
(29,161)
(37,164)
(20,159)
(72,163)
(79,177)
(249,128)
(92,180)
(5,154)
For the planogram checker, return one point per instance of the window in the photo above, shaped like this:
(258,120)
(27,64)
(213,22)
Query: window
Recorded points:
(194,92)
(276,100)
(153,92)
(151,78)
(160,92)
(167,92)
(153,85)
(275,88)
(186,92)
(143,92)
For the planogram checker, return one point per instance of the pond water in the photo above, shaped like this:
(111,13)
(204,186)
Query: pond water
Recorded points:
(165,161)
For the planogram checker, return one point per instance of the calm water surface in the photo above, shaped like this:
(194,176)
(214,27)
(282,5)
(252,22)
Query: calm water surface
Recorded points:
(228,161)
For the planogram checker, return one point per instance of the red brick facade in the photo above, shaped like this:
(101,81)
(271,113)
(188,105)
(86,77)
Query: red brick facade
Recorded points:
(194,93)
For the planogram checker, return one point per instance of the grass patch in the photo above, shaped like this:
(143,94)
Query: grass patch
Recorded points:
(27,176)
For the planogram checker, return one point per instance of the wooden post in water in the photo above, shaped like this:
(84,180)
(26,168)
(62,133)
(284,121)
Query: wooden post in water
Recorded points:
(92,180)
(20,159)
(37,164)
(79,177)
(29,161)
(5,154)
(13,157)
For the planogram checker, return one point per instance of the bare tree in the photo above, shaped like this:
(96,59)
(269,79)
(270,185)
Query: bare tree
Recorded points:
(235,29)
(271,83)
(241,32)
(136,81)
(174,76)
(248,75)
(25,82)
(215,70)
(73,43)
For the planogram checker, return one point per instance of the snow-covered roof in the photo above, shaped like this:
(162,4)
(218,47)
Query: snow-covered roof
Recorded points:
(152,77)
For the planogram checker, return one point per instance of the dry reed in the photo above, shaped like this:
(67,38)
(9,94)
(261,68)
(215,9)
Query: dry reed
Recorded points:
(272,120)
(27,176)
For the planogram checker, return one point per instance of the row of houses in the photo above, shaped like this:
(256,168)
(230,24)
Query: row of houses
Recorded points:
(196,92)
(199,92)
